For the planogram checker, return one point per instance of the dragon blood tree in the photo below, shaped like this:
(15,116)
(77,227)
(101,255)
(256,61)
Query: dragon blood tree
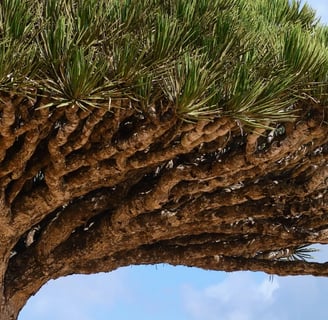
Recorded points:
(188,132)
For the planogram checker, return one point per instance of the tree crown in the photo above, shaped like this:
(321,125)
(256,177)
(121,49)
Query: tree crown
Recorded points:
(251,60)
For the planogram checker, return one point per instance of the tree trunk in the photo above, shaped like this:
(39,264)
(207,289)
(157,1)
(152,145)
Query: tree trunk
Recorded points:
(7,312)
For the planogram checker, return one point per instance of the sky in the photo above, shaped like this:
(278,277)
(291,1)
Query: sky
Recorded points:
(180,293)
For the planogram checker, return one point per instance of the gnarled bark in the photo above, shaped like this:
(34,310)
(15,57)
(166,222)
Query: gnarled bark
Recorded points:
(90,191)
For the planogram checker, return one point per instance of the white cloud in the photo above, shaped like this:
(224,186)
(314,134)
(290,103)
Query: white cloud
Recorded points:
(240,296)
(252,296)
(267,288)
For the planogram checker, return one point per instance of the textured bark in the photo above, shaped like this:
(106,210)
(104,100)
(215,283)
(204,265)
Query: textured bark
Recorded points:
(89,191)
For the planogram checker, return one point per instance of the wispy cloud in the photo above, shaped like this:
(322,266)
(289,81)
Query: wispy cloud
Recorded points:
(240,296)
(252,296)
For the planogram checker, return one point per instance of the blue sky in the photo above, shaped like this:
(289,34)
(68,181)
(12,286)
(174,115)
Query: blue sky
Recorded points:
(164,292)
(180,293)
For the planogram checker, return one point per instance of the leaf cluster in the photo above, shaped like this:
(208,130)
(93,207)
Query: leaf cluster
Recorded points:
(252,60)
(301,253)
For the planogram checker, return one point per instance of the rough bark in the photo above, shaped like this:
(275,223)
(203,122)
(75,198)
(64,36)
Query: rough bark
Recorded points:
(89,191)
